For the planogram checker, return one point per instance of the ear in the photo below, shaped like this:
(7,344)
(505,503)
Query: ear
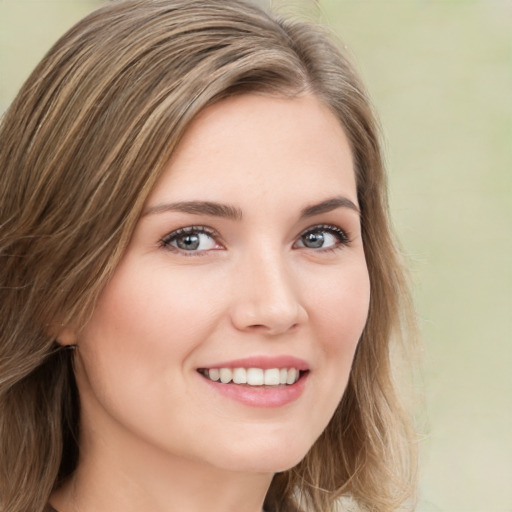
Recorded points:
(66,337)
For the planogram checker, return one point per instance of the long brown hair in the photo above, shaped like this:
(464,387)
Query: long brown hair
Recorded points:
(81,147)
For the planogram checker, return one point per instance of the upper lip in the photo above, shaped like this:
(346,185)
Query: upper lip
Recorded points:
(263,362)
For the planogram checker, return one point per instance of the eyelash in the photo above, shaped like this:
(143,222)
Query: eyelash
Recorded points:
(342,237)
(189,230)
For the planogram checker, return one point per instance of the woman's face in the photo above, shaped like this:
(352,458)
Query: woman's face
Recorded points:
(247,263)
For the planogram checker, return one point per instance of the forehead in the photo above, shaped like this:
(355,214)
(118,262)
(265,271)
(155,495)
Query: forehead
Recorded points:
(260,143)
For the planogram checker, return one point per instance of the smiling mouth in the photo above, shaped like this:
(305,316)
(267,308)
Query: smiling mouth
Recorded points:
(273,377)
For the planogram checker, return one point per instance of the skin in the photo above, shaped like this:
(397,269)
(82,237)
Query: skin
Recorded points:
(155,435)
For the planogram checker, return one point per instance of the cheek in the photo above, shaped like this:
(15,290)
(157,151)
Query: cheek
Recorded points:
(148,312)
(341,309)
(136,347)
(338,310)
(134,350)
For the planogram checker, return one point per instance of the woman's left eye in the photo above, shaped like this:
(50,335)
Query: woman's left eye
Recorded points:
(191,239)
(322,237)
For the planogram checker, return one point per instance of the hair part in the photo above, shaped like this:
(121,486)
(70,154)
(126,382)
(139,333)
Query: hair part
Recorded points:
(82,146)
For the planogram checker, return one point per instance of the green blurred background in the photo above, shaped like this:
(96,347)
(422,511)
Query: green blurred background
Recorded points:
(440,75)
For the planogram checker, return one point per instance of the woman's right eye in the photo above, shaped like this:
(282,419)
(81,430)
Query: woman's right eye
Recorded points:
(192,240)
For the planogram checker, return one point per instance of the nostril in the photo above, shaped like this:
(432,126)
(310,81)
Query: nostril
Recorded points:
(273,327)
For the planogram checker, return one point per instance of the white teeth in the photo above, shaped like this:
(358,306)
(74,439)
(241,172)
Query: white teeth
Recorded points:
(272,377)
(226,375)
(292,376)
(214,374)
(254,376)
(240,376)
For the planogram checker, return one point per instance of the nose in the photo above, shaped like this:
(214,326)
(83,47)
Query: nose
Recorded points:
(266,297)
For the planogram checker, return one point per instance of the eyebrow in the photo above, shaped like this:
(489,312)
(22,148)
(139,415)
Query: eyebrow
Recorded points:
(198,208)
(328,205)
(234,213)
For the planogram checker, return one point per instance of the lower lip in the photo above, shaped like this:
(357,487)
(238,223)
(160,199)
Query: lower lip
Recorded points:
(260,396)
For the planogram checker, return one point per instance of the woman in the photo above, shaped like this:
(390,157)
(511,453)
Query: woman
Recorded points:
(198,280)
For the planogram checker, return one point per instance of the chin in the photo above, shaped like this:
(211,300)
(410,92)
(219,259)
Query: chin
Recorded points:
(271,458)
(264,465)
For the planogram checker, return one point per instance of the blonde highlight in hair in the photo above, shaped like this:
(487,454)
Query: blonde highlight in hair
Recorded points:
(82,146)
